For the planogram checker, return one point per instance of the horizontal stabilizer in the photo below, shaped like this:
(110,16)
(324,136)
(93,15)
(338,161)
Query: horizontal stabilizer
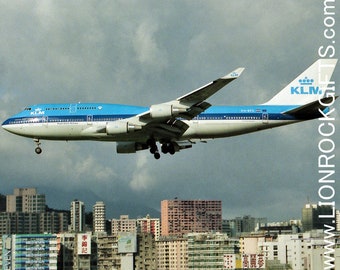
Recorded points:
(311,110)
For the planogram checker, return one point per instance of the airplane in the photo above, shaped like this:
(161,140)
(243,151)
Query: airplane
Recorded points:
(179,123)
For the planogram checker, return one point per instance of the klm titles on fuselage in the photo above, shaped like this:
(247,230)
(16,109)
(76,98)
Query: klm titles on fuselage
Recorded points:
(305,88)
(37,111)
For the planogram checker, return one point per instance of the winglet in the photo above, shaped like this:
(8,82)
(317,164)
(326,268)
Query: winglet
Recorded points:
(234,74)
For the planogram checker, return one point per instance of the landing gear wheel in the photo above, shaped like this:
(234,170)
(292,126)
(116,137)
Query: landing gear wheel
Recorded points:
(168,148)
(165,149)
(38,150)
(153,149)
(157,155)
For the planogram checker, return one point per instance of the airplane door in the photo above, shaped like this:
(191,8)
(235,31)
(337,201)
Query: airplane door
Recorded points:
(44,120)
(89,119)
(73,108)
(264,117)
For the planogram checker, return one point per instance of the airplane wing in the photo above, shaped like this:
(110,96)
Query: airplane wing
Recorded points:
(164,121)
(209,89)
(193,103)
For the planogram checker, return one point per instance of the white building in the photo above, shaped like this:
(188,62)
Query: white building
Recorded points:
(99,217)
(301,251)
(30,251)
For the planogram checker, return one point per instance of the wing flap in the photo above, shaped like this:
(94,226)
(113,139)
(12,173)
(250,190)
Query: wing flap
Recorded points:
(195,110)
(169,130)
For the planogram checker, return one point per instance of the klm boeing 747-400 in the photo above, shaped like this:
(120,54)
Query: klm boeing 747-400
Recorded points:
(179,123)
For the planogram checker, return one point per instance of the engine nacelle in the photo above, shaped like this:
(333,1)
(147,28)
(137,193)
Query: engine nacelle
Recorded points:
(130,147)
(121,127)
(165,111)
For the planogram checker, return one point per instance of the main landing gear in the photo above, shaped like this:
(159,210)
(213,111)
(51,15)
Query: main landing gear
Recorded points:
(166,148)
(38,149)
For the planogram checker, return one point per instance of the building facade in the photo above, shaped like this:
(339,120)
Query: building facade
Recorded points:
(99,217)
(149,225)
(179,217)
(124,224)
(172,253)
(25,200)
(77,216)
(30,251)
(208,250)
(313,217)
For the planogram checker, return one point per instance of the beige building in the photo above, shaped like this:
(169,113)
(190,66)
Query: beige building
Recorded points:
(124,224)
(25,200)
(179,217)
(172,253)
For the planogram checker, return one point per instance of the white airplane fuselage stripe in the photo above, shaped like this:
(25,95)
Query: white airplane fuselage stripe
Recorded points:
(198,129)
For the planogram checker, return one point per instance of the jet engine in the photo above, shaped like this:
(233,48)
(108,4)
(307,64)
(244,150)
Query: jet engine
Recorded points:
(121,127)
(165,111)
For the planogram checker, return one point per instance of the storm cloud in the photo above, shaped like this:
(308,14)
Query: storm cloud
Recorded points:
(147,52)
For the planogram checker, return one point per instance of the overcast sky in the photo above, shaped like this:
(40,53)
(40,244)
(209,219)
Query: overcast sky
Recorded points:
(147,52)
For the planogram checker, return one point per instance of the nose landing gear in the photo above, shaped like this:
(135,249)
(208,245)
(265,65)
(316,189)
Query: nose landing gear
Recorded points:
(38,149)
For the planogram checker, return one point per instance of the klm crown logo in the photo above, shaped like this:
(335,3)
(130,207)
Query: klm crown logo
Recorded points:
(305,88)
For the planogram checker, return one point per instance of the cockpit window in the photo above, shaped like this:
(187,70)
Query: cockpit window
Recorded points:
(28,108)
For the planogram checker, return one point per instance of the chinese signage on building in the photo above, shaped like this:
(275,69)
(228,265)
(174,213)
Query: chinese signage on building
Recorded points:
(250,261)
(84,244)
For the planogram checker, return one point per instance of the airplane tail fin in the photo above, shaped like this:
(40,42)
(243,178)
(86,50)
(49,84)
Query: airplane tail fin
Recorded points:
(309,86)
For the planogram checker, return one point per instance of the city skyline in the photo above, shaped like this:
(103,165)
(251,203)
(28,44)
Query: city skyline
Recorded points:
(142,53)
(138,210)
(80,208)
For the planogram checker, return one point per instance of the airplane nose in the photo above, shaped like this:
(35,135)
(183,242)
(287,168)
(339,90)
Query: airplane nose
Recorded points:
(5,125)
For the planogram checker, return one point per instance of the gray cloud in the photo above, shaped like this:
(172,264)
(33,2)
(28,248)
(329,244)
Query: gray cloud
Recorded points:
(148,52)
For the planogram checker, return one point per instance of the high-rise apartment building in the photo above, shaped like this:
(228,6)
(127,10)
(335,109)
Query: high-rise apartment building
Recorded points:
(99,217)
(180,217)
(149,225)
(172,253)
(207,250)
(124,224)
(315,216)
(30,251)
(77,216)
(25,200)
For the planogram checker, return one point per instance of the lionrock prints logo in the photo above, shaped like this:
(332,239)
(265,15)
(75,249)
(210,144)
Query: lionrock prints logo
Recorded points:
(305,88)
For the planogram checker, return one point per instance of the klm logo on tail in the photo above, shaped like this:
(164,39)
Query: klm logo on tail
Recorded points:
(306,88)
